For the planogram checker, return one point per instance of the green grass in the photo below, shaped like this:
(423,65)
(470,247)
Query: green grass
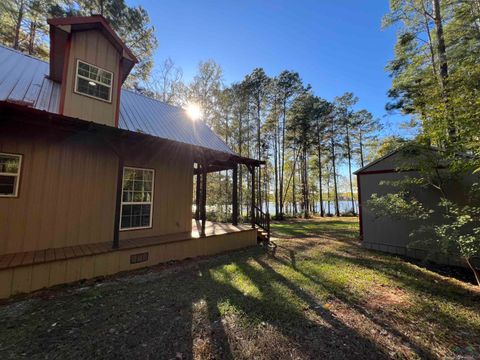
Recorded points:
(318,294)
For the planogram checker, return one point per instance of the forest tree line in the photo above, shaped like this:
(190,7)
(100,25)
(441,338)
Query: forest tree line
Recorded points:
(305,140)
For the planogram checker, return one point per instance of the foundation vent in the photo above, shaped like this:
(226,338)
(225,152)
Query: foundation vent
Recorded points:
(138,258)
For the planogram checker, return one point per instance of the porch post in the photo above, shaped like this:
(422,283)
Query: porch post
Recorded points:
(252,208)
(118,201)
(197,194)
(235,195)
(204,199)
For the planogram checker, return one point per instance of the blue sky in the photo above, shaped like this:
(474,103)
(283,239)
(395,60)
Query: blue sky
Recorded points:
(335,45)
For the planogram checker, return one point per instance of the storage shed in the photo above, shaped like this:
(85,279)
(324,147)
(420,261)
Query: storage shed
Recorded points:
(393,235)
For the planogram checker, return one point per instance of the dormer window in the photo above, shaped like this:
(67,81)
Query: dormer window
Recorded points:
(93,81)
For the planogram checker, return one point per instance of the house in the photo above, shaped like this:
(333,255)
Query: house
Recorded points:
(97,179)
(393,235)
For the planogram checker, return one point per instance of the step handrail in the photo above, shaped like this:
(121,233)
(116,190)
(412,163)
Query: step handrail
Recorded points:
(262,220)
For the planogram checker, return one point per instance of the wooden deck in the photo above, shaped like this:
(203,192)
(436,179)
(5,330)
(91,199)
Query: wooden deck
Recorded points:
(72,252)
(30,271)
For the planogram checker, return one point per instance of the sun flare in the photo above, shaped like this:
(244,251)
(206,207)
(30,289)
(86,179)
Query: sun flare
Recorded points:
(194,111)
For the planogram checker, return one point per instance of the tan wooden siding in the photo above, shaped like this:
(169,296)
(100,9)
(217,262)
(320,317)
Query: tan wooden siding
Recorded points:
(92,47)
(68,186)
(172,208)
(66,195)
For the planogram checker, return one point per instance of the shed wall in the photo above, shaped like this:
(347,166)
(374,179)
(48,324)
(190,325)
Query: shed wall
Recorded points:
(393,235)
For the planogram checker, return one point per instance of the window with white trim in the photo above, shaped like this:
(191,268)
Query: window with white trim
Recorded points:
(10,165)
(93,81)
(137,198)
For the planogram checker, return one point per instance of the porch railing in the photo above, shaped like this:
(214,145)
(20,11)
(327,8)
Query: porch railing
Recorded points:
(262,220)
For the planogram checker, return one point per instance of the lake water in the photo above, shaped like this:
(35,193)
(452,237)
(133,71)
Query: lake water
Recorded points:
(344,206)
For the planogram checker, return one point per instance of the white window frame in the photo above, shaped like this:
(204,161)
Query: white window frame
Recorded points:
(137,203)
(17,183)
(77,75)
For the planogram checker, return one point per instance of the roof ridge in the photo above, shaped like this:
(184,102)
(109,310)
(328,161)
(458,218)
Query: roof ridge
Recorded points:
(150,98)
(22,53)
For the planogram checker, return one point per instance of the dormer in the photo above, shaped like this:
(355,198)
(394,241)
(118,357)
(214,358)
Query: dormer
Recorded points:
(91,63)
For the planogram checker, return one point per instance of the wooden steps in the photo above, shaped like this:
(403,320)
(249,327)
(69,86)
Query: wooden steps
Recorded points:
(262,235)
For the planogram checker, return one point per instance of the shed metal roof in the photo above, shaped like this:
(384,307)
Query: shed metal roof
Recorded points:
(24,81)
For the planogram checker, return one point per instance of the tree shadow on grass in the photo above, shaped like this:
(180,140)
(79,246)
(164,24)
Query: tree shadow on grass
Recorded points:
(185,315)
(194,313)
(428,288)
(423,285)
(333,339)
(412,278)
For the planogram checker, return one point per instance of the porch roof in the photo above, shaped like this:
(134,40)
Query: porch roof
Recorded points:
(214,159)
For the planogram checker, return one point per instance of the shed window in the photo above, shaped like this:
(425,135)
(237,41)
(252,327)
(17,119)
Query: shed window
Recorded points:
(137,198)
(10,165)
(93,81)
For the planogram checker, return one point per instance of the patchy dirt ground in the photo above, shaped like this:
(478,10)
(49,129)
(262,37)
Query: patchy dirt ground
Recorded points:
(314,294)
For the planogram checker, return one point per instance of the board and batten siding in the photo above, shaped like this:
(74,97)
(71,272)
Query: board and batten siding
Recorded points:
(92,47)
(172,198)
(393,235)
(68,188)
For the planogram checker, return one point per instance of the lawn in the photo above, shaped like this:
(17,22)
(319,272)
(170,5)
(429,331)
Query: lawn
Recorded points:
(315,294)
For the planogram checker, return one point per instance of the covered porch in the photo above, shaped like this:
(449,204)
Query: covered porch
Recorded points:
(208,162)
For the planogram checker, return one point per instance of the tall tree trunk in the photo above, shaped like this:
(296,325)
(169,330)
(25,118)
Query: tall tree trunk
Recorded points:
(302,182)
(349,156)
(259,151)
(442,58)
(361,149)
(320,190)
(31,37)
(240,168)
(227,177)
(305,180)
(102,7)
(18,24)
(426,20)
(282,156)
(294,198)
(319,154)
(240,189)
(294,188)
(328,195)
(275,160)
(249,196)
(266,187)
(334,169)
(335,188)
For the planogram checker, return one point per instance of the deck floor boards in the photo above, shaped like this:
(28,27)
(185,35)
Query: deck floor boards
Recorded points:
(69,252)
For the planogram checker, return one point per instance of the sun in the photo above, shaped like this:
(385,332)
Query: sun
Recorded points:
(193,111)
